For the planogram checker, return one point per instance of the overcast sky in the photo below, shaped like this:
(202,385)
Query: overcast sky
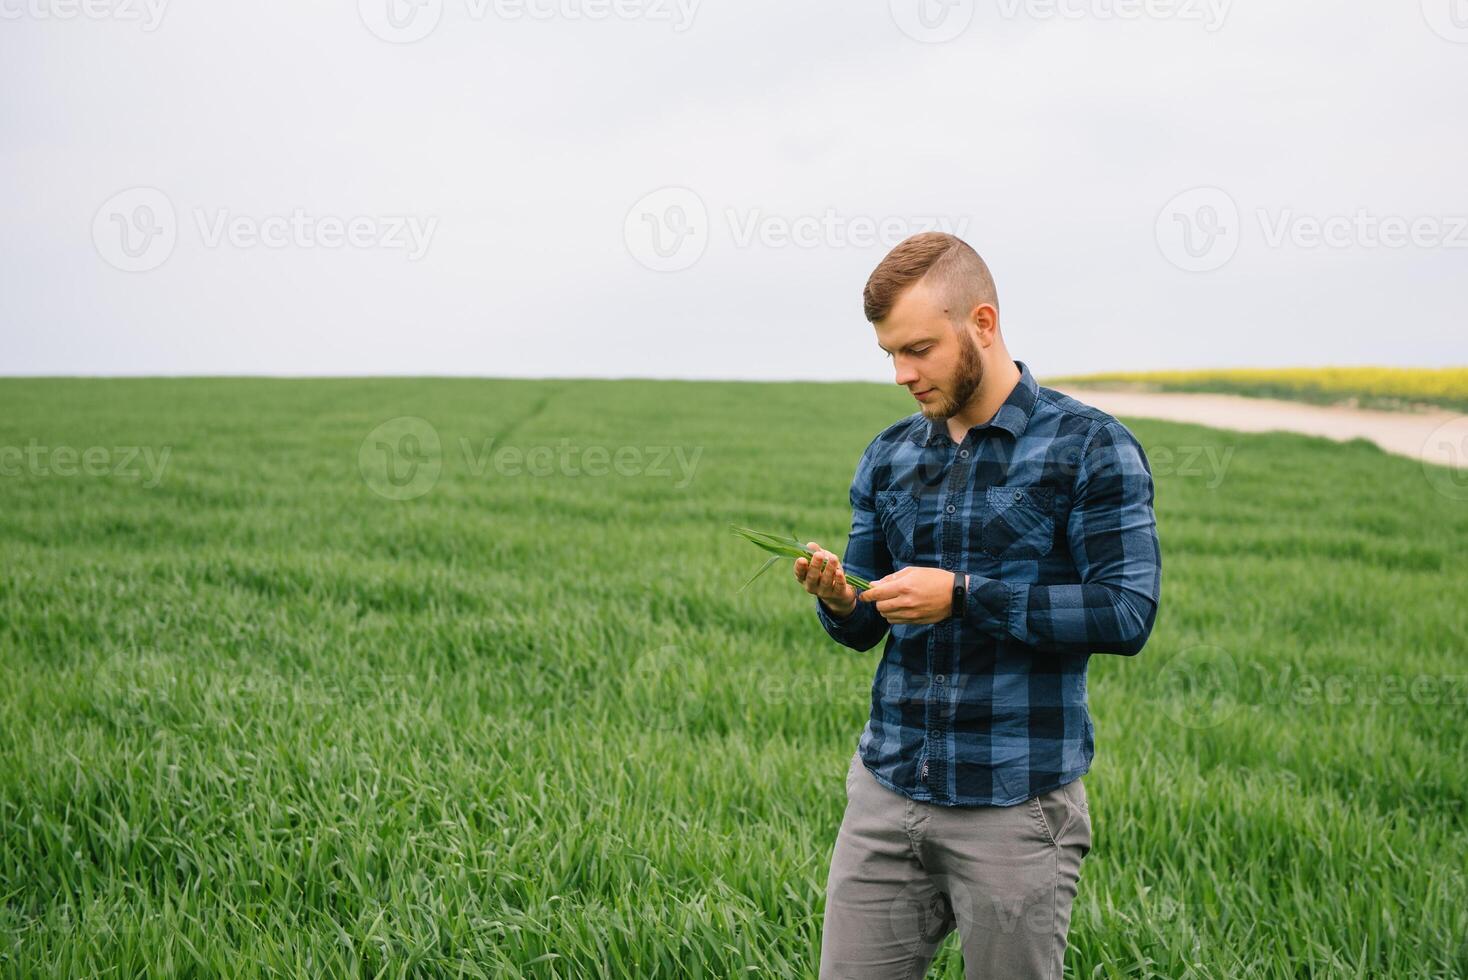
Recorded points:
(699,188)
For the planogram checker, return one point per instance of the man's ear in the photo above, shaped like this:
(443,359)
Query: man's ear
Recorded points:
(986,319)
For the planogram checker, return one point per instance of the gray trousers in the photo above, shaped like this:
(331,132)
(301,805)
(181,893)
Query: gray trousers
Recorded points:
(904,874)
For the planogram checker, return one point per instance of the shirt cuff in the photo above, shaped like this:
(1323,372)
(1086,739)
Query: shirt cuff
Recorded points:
(989,606)
(852,627)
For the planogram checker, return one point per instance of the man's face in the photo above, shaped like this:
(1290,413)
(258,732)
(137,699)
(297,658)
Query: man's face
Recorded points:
(938,363)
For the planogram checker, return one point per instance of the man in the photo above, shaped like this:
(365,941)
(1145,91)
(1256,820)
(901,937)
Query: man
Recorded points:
(1013,530)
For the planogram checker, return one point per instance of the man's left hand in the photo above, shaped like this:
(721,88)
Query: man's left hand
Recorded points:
(912,595)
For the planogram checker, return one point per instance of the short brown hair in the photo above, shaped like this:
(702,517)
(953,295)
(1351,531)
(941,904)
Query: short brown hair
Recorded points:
(955,267)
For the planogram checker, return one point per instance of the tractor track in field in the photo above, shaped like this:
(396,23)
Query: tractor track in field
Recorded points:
(530,414)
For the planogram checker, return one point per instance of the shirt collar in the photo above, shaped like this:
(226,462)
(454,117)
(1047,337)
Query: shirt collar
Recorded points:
(1013,416)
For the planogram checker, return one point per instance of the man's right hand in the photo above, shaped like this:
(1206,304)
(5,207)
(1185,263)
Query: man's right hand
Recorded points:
(823,578)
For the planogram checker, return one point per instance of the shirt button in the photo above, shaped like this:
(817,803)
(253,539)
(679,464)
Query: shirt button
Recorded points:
(951,508)
(939,678)
(1018,495)
(963,453)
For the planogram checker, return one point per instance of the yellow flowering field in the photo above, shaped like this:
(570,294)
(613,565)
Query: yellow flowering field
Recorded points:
(1375,387)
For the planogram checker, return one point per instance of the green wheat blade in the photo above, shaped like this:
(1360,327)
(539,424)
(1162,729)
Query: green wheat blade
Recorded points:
(782,546)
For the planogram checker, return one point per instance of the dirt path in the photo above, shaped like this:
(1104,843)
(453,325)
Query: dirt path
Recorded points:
(1438,437)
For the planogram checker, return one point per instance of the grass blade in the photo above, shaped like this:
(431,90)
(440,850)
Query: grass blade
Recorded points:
(781,546)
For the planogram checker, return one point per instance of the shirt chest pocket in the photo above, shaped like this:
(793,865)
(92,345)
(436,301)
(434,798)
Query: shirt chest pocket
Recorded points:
(897,515)
(1018,522)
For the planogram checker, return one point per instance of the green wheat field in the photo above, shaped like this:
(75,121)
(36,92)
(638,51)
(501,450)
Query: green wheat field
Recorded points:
(298,686)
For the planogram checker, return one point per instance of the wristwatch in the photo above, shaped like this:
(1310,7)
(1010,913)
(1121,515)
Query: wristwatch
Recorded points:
(960,593)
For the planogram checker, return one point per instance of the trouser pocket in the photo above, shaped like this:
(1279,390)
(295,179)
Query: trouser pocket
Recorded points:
(1063,816)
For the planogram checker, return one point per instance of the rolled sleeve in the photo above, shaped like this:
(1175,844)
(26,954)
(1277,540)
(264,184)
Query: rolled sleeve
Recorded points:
(987,606)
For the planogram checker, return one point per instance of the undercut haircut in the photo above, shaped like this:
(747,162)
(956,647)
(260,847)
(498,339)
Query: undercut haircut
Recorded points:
(947,262)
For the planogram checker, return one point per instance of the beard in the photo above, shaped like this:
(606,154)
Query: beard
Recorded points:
(957,393)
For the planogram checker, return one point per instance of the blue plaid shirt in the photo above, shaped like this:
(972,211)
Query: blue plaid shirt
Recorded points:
(1048,508)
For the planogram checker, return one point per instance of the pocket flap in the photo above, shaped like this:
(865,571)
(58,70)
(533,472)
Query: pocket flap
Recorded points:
(1005,497)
